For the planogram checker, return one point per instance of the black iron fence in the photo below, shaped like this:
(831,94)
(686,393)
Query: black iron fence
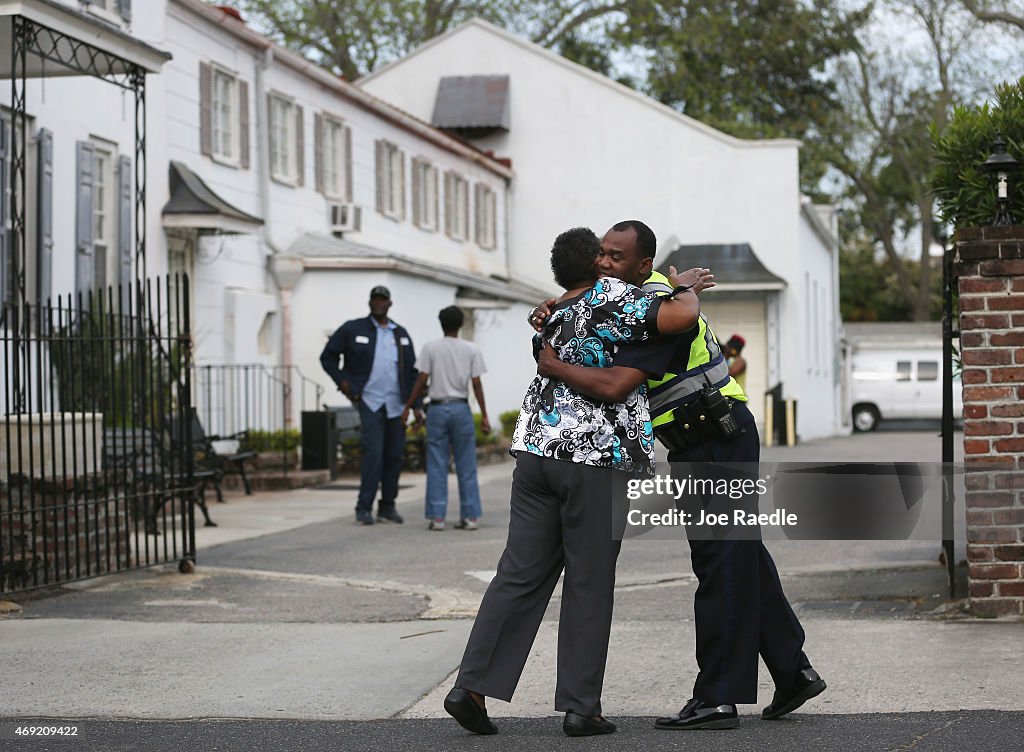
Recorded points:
(96,462)
(254,404)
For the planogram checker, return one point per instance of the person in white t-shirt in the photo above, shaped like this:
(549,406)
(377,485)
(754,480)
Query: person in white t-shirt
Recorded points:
(450,365)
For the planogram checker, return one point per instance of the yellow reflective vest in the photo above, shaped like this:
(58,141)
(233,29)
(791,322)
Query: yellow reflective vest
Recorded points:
(705,363)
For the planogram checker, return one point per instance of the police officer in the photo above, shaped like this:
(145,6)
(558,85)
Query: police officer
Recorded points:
(739,607)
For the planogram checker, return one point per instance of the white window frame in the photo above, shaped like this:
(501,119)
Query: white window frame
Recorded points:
(486,216)
(107,10)
(284,139)
(457,201)
(105,202)
(335,157)
(231,119)
(424,193)
(392,172)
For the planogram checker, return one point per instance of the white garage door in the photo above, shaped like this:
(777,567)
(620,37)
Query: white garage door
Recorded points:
(747,318)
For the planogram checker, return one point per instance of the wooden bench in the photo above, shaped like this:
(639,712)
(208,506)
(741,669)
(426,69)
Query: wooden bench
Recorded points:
(139,462)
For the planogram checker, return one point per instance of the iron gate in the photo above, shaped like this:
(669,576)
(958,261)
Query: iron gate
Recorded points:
(92,479)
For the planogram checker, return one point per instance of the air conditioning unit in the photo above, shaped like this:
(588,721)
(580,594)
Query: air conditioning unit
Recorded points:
(344,217)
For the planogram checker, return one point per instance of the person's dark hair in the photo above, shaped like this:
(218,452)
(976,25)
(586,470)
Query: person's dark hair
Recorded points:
(646,242)
(451,318)
(573,256)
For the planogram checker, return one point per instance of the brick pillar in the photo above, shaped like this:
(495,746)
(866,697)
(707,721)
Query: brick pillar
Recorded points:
(990,266)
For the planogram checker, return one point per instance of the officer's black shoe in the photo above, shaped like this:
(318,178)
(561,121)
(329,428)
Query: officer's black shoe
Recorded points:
(464,709)
(807,685)
(580,725)
(389,515)
(698,715)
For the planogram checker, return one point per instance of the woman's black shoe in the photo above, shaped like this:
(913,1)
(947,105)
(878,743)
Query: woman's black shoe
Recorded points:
(463,708)
(580,725)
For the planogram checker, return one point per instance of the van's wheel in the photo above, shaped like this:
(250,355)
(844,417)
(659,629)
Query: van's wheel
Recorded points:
(865,418)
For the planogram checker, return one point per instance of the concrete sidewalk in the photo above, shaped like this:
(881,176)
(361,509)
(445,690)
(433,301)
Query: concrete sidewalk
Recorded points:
(296,613)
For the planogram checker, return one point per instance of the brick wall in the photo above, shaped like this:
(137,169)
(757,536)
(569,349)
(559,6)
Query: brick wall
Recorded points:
(990,267)
(59,532)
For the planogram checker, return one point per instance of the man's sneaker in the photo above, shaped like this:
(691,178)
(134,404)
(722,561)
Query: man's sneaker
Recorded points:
(389,515)
(364,518)
(467,524)
(437,524)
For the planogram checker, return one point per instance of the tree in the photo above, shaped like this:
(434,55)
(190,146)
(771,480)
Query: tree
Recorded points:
(1008,13)
(882,145)
(754,70)
(355,37)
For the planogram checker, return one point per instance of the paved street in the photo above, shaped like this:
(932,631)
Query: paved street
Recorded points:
(325,635)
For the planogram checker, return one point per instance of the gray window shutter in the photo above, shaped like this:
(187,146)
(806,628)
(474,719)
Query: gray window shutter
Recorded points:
(401,172)
(44,236)
(448,204)
(318,151)
(5,208)
(124,7)
(125,246)
(85,271)
(417,217)
(348,164)
(437,198)
(243,124)
(379,166)
(300,147)
(477,206)
(206,109)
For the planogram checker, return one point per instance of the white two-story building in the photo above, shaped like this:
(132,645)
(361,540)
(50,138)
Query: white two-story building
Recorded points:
(284,192)
(589,151)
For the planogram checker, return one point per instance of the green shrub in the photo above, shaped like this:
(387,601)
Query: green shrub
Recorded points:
(271,441)
(508,422)
(966,193)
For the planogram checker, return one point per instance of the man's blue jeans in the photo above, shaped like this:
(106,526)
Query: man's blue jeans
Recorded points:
(450,429)
(383,441)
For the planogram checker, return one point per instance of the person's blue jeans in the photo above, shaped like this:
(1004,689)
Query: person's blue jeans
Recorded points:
(450,429)
(383,441)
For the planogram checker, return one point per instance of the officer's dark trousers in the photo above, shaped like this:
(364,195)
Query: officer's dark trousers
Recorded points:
(561,516)
(739,608)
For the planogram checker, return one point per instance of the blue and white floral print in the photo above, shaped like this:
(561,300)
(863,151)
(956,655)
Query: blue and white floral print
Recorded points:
(559,423)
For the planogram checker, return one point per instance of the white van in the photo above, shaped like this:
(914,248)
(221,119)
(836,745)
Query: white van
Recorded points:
(898,384)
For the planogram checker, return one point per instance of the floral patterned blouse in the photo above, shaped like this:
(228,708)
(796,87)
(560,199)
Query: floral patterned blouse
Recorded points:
(556,421)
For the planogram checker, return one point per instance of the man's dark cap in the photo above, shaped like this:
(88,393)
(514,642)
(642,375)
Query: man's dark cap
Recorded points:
(380,291)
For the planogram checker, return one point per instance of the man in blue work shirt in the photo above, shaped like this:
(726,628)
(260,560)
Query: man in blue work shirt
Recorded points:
(377,377)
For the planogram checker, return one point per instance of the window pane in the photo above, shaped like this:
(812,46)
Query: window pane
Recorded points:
(927,370)
(903,370)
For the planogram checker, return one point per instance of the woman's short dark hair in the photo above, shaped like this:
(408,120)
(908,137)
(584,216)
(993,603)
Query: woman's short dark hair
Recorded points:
(451,318)
(573,256)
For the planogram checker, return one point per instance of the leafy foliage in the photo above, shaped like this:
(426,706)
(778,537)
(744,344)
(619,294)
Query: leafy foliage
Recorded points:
(869,290)
(965,191)
(271,441)
(754,70)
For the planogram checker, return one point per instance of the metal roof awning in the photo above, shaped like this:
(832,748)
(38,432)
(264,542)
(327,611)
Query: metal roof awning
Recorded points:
(322,253)
(735,265)
(193,205)
(472,103)
(69,42)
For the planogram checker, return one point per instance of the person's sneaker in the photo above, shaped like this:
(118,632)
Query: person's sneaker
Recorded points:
(467,524)
(364,518)
(436,525)
(389,515)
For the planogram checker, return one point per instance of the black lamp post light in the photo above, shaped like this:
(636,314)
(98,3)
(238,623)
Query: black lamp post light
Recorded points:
(1002,164)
